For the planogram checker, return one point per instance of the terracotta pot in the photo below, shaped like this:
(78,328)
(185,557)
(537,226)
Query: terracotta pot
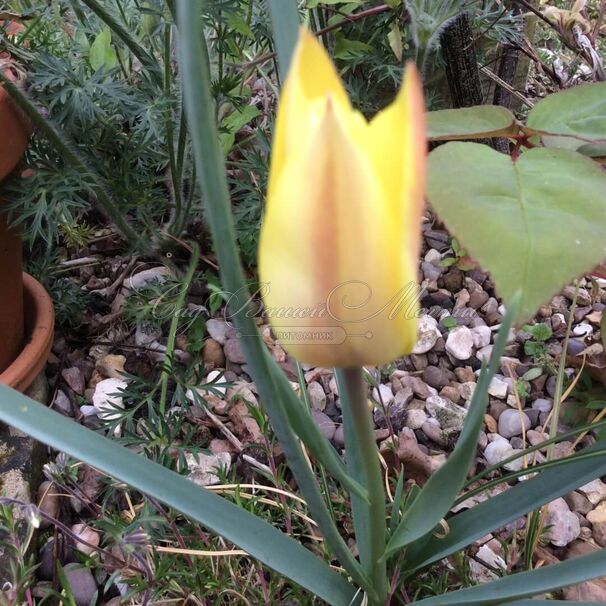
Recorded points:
(14,142)
(26,314)
(39,331)
(15,131)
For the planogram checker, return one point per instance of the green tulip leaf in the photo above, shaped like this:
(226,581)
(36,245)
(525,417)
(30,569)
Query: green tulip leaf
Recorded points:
(534,224)
(571,118)
(525,584)
(470,123)
(253,534)
(497,511)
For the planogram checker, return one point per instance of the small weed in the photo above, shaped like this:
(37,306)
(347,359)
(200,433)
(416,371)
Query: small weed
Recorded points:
(460,258)
(536,346)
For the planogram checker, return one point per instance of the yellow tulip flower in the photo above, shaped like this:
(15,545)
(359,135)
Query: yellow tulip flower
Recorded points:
(342,227)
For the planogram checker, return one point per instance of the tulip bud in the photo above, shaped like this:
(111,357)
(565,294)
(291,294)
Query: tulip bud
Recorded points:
(342,228)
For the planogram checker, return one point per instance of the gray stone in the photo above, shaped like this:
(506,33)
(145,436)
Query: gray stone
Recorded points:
(74,378)
(451,416)
(382,394)
(416,418)
(419,361)
(62,404)
(431,271)
(466,389)
(218,330)
(233,351)
(48,502)
(497,407)
(491,306)
(317,395)
(427,334)
(459,343)
(533,415)
(419,387)
(436,377)
(575,347)
(477,299)
(481,336)
(431,428)
(498,388)
(599,533)
(498,451)
(511,423)
(595,491)
(487,556)
(203,467)
(87,534)
(550,386)
(484,354)
(107,400)
(480,573)
(582,330)
(433,256)
(147,335)
(325,423)
(82,583)
(536,437)
(564,524)
(542,404)
(578,502)
(147,276)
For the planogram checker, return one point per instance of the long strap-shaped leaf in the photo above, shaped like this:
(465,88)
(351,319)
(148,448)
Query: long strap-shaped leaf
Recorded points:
(496,512)
(436,498)
(273,386)
(255,536)
(525,584)
(552,603)
(285,25)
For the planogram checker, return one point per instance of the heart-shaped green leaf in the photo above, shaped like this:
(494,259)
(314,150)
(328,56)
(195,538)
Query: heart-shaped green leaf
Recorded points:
(534,224)
(573,117)
(470,123)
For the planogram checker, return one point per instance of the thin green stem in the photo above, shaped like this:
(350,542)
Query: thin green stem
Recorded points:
(170,138)
(557,396)
(374,528)
(174,325)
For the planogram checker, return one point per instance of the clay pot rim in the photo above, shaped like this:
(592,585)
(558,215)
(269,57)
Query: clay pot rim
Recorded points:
(39,330)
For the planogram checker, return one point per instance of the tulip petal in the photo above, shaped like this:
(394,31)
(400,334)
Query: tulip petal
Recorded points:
(329,238)
(312,76)
(398,148)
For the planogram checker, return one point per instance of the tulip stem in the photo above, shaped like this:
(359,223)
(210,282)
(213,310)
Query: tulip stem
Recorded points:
(363,460)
